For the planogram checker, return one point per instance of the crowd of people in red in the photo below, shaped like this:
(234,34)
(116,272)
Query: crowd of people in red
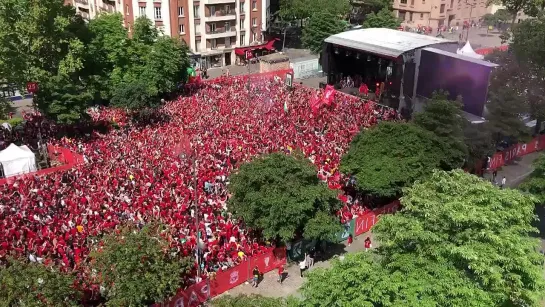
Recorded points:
(138,174)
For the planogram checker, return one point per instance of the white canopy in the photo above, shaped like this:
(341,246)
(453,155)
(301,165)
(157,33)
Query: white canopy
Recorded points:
(469,52)
(17,160)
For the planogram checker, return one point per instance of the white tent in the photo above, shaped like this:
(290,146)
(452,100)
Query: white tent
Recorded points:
(469,52)
(16,160)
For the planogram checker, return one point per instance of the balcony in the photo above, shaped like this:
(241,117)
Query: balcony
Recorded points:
(222,16)
(218,1)
(82,3)
(221,32)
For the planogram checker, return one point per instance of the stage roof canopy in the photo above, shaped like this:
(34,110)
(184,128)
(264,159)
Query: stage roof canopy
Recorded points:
(381,41)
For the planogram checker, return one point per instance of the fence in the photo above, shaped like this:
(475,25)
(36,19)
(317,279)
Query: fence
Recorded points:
(226,280)
(355,227)
(64,156)
(521,149)
(278,73)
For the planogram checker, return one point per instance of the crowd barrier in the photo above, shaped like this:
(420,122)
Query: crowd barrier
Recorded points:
(355,227)
(226,280)
(499,159)
(64,156)
(278,73)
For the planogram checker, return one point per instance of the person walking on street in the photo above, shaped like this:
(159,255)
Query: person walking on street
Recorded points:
(367,243)
(310,260)
(503,182)
(303,266)
(255,274)
(280,274)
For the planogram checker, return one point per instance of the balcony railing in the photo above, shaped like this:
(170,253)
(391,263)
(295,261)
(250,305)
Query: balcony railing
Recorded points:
(221,30)
(222,13)
(84,2)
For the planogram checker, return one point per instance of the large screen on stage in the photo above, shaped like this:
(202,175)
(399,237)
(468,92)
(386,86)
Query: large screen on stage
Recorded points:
(457,76)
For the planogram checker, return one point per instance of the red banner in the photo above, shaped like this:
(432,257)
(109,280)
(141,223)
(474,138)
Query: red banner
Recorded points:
(501,158)
(191,297)
(229,279)
(269,261)
(364,223)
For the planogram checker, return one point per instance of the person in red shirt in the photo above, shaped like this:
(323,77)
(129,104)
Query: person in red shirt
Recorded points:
(280,274)
(367,243)
(350,239)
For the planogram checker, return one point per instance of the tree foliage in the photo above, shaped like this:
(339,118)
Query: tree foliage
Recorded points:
(529,42)
(535,184)
(444,118)
(320,26)
(360,9)
(33,284)
(478,141)
(513,7)
(390,156)
(302,9)
(385,18)
(137,268)
(282,196)
(458,241)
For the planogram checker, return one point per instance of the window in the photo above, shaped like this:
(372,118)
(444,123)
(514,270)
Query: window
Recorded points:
(227,9)
(242,39)
(227,42)
(197,45)
(212,10)
(412,2)
(241,7)
(421,15)
(411,16)
(182,29)
(403,1)
(254,5)
(227,27)
(442,9)
(180,11)
(212,27)
(254,36)
(127,9)
(142,11)
(402,15)
(254,22)
(242,24)
(157,13)
(196,11)
(213,44)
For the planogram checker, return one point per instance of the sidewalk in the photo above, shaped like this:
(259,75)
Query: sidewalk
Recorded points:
(516,171)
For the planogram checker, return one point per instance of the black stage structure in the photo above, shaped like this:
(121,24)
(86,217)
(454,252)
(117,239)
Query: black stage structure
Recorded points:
(407,67)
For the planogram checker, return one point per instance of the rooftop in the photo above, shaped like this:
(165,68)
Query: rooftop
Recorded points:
(387,42)
(274,58)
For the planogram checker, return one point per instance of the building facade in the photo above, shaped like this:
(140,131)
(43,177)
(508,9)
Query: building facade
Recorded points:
(211,28)
(437,13)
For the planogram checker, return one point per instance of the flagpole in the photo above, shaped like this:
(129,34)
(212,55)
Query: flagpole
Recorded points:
(195,185)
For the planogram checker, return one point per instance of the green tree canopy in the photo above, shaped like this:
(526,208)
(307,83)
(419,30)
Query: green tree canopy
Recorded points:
(137,268)
(281,195)
(383,19)
(34,284)
(535,184)
(251,300)
(444,118)
(320,26)
(301,9)
(458,241)
(390,156)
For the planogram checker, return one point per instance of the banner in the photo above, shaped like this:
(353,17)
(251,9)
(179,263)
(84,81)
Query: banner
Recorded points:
(191,297)
(299,248)
(230,278)
(348,230)
(501,158)
(269,261)
(364,223)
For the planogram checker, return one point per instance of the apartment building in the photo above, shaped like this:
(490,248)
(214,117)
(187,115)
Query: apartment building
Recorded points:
(211,28)
(89,9)
(436,13)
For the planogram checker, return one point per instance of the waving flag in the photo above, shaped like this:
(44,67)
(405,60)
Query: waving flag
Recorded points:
(329,95)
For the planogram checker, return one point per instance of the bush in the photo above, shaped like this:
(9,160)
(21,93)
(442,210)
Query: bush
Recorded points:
(14,122)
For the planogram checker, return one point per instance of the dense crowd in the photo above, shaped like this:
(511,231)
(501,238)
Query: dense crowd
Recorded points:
(143,171)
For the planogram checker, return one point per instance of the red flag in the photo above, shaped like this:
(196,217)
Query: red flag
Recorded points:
(315,104)
(329,94)
(364,89)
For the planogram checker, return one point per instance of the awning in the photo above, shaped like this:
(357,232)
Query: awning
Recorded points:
(269,46)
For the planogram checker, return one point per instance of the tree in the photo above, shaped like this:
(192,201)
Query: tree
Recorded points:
(34,284)
(529,42)
(282,196)
(479,143)
(320,26)
(134,96)
(513,7)
(505,116)
(137,267)
(535,184)
(383,19)
(458,241)
(361,8)
(500,17)
(390,156)
(444,118)
(5,107)
(291,10)
(144,31)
